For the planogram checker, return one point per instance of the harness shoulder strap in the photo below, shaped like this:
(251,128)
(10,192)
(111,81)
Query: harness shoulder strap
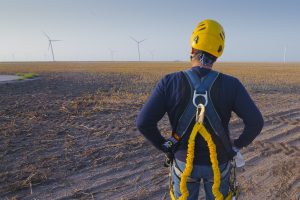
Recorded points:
(189,113)
(201,87)
(201,84)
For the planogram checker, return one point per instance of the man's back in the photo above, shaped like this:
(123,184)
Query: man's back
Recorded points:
(171,96)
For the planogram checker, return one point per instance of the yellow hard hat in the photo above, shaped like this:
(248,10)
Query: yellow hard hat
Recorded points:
(209,36)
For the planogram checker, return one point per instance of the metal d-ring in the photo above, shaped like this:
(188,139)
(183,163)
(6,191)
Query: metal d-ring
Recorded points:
(197,95)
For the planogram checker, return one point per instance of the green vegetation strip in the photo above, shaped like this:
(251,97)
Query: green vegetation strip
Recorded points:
(24,76)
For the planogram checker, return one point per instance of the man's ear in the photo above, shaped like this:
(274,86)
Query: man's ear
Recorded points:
(192,56)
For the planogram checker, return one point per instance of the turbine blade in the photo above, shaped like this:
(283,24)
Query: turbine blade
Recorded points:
(142,40)
(49,45)
(133,39)
(55,40)
(46,35)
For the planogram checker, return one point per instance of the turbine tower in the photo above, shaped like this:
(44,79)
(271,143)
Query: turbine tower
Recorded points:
(138,45)
(152,54)
(284,54)
(112,54)
(50,45)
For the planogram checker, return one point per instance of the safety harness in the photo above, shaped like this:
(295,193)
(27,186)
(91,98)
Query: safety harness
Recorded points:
(201,88)
(201,105)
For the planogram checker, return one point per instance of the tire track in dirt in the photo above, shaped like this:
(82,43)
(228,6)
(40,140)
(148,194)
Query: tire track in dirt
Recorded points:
(137,182)
(106,182)
(99,189)
(272,121)
(282,126)
(271,170)
(100,154)
(267,149)
(288,133)
(277,146)
(286,117)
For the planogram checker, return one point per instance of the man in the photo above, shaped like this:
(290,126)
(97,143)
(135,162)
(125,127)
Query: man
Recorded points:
(172,95)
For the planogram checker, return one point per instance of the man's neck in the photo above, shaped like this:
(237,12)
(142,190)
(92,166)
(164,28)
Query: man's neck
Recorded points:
(198,64)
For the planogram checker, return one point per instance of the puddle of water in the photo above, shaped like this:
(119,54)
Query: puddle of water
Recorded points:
(8,77)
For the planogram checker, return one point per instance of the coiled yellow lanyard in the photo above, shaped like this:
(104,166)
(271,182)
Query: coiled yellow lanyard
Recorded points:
(199,128)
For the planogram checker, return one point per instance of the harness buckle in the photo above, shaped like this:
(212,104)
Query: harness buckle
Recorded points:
(198,95)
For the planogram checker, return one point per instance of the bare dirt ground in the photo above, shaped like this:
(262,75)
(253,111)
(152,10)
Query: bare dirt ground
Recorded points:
(71,133)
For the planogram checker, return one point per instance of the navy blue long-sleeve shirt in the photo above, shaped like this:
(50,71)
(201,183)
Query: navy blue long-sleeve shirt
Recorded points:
(171,95)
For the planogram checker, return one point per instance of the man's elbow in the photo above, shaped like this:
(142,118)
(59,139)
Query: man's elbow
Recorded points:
(256,124)
(260,122)
(140,123)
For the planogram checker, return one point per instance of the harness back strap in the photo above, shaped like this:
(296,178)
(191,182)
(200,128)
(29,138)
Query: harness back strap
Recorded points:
(202,87)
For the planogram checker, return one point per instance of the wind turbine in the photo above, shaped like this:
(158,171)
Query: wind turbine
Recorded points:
(284,54)
(138,45)
(152,54)
(50,45)
(112,54)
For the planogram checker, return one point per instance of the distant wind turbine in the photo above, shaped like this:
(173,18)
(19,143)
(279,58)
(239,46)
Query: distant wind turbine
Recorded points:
(50,45)
(112,54)
(138,45)
(284,54)
(152,54)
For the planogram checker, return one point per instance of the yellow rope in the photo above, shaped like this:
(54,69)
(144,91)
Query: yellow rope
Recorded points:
(199,128)
(214,160)
(189,164)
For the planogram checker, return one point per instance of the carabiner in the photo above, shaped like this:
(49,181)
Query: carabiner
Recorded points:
(200,113)
(197,95)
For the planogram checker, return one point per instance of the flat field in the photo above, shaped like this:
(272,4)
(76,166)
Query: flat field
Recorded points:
(70,134)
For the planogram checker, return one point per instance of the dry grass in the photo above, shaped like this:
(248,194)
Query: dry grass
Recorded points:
(255,73)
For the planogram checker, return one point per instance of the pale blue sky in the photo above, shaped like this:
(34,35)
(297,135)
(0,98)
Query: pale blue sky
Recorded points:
(255,30)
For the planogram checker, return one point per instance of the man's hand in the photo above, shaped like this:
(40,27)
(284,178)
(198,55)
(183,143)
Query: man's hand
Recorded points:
(168,148)
(169,145)
(235,149)
(239,159)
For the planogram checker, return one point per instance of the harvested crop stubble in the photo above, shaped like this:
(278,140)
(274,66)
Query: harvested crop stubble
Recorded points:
(71,134)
